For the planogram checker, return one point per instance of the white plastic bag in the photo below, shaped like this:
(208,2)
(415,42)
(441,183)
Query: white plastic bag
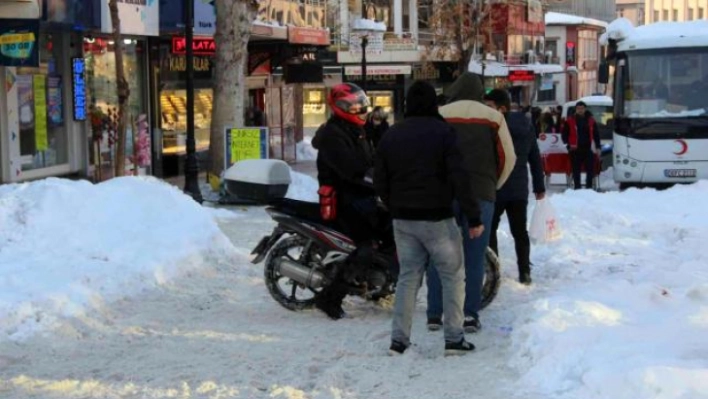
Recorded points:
(544,223)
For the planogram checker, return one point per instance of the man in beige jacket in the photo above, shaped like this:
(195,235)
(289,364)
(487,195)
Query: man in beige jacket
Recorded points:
(489,158)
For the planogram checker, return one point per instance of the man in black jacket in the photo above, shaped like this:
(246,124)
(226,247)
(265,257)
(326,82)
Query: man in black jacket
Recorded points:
(418,174)
(344,160)
(512,197)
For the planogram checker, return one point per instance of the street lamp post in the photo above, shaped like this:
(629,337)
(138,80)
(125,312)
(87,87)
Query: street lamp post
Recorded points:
(191,168)
(364,43)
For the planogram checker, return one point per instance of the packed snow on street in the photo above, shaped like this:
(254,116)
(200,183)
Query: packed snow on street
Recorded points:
(129,289)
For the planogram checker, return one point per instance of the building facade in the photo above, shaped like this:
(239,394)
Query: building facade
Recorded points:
(603,10)
(573,42)
(633,10)
(675,10)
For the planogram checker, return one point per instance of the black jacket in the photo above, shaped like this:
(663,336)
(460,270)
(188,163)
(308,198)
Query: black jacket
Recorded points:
(527,152)
(374,133)
(344,159)
(419,171)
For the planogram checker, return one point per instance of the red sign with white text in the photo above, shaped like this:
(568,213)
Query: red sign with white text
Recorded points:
(200,45)
(521,75)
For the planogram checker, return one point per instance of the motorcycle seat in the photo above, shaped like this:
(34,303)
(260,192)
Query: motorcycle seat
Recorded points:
(300,209)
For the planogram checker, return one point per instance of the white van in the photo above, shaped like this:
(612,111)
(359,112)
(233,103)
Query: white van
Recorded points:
(601,108)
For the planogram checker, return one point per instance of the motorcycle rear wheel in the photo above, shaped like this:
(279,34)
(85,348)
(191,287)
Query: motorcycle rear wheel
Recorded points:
(284,248)
(492,278)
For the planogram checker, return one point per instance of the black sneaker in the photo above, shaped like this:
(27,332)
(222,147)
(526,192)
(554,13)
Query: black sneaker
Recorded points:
(397,348)
(525,279)
(458,348)
(472,324)
(434,324)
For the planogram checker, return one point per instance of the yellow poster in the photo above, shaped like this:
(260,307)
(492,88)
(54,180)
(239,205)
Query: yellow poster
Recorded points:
(245,144)
(40,112)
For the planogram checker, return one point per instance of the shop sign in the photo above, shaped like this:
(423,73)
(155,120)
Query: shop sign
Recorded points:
(18,43)
(313,36)
(179,64)
(25,9)
(204,17)
(200,45)
(521,75)
(39,84)
(245,143)
(379,70)
(79,88)
(137,17)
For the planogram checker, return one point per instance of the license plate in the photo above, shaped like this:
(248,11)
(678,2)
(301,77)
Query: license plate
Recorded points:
(680,172)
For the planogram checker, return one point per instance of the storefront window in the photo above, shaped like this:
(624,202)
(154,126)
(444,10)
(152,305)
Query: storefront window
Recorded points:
(314,110)
(173,108)
(101,75)
(43,134)
(383,99)
(103,97)
(173,100)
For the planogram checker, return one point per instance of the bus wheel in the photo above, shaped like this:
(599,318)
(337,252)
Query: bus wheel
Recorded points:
(624,186)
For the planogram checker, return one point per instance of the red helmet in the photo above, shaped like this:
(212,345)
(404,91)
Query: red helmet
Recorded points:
(349,102)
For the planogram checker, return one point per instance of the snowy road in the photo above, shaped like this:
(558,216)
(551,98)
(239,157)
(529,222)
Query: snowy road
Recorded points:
(218,334)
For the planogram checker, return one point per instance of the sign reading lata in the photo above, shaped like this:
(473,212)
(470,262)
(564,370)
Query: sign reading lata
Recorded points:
(200,45)
(521,75)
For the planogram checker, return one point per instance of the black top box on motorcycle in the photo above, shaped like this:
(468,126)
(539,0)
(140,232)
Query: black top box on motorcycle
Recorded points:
(260,180)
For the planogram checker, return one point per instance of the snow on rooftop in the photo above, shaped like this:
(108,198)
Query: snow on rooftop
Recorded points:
(557,18)
(621,29)
(618,29)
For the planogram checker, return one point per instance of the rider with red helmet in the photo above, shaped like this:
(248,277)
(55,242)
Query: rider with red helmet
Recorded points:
(345,164)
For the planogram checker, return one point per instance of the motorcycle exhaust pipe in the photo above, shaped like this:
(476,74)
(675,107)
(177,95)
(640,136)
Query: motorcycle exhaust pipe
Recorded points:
(301,274)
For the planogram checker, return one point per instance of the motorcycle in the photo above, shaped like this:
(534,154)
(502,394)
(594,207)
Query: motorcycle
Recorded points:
(304,253)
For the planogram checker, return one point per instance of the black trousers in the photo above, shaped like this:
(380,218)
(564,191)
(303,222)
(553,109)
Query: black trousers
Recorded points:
(516,213)
(579,158)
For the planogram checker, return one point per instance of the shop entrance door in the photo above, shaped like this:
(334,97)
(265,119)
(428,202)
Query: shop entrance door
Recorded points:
(385,100)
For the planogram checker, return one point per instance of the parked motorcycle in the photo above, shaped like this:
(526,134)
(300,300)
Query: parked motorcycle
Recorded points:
(304,253)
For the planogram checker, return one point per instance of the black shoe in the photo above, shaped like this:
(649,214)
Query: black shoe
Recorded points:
(472,324)
(525,279)
(434,323)
(458,348)
(397,348)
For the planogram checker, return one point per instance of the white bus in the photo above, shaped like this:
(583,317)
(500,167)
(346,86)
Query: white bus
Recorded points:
(660,101)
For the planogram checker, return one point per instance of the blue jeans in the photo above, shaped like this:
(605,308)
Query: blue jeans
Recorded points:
(475,253)
(416,242)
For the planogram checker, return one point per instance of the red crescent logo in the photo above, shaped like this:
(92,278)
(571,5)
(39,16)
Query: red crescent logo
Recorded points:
(554,139)
(684,147)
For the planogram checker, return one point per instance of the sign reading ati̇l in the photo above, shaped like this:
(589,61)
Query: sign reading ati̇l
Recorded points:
(245,143)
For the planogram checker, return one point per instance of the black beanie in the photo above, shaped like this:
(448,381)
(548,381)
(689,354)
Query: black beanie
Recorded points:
(421,100)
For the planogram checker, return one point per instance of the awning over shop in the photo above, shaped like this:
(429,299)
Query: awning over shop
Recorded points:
(20,9)
(499,69)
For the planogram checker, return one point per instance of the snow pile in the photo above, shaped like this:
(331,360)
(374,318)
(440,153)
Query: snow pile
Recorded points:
(305,150)
(623,311)
(69,246)
(619,29)
(303,187)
